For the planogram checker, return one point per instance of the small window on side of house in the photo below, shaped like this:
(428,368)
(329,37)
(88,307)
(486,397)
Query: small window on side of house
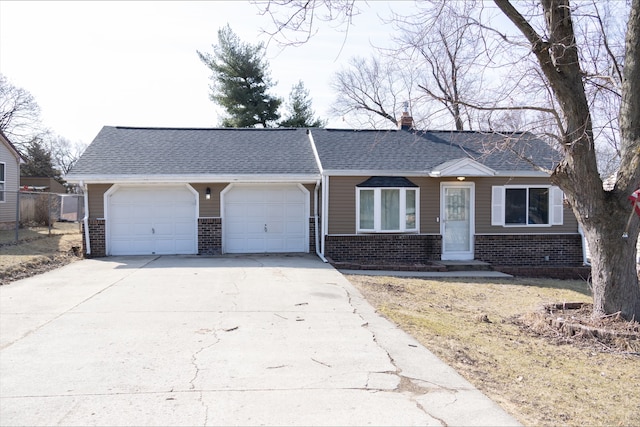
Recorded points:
(2,182)
(527,206)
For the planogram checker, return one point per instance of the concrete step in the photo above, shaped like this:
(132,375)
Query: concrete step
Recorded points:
(472,265)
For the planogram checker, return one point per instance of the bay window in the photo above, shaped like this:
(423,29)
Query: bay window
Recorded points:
(383,208)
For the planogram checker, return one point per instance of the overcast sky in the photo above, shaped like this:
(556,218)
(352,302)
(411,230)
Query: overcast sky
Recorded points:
(90,64)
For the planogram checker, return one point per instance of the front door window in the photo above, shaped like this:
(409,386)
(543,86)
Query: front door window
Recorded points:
(457,222)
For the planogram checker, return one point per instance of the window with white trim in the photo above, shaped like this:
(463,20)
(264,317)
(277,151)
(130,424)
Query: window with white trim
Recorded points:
(2,181)
(528,206)
(386,209)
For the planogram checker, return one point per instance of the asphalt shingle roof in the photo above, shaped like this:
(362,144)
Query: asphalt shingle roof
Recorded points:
(125,151)
(166,151)
(421,151)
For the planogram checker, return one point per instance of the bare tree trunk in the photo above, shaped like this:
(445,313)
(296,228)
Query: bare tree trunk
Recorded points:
(602,214)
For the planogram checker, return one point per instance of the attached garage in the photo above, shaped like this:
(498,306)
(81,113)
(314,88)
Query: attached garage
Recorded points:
(151,220)
(268,218)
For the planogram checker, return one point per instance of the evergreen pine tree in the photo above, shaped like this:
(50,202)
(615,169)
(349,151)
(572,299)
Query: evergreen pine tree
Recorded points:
(241,81)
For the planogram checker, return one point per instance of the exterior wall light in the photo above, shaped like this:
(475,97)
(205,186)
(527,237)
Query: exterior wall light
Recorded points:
(207,193)
(460,178)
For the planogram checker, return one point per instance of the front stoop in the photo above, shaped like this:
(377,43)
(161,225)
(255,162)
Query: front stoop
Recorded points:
(434,266)
(346,265)
(470,265)
(551,272)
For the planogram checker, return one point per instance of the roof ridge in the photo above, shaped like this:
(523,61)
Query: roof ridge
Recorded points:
(198,128)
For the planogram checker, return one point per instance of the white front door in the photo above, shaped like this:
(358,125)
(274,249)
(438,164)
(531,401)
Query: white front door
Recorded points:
(457,220)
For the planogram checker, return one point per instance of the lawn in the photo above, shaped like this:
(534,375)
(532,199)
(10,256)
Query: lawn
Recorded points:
(479,327)
(38,249)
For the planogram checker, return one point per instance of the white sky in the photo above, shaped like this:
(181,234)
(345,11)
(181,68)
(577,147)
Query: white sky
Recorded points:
(90,64)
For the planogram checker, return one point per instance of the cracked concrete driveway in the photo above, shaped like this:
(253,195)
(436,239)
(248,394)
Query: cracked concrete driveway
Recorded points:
(232,340)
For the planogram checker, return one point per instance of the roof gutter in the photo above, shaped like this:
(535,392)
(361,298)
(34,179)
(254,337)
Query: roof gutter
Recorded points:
(181,179)
(85,220)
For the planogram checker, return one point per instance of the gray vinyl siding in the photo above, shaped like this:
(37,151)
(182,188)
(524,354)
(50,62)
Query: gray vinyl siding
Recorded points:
(11,184)
(209,208)
(429,204)
(342,205)
(311,188)
(96,199)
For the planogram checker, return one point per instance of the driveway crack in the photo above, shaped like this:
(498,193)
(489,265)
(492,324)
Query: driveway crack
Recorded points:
(406,385)
(196,374)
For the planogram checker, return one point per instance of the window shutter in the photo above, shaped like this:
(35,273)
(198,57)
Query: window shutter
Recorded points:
(557,206)
(497,205)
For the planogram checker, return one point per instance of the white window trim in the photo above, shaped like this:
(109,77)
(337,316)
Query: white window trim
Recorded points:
(498,197)
(3,183)
(377,206)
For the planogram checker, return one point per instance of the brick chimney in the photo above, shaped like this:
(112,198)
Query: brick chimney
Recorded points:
(406,121)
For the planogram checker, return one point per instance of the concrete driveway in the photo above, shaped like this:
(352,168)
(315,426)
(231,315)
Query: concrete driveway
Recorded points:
(232,340)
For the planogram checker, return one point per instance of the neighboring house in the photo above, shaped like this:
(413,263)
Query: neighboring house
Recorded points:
(358,196)
(10,160)
(41,183)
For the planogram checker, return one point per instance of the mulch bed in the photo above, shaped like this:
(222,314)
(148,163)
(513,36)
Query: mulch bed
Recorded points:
(573,323)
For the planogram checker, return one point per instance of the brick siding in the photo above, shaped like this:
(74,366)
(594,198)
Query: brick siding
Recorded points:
(96,238)
(530,250)
(384,248)
(209,236)
(312,235)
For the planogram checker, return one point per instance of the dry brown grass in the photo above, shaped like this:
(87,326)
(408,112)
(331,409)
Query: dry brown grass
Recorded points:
(474,327)
(37,250)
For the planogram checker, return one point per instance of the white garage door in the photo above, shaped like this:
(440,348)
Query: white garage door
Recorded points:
(152,220)
(269,218)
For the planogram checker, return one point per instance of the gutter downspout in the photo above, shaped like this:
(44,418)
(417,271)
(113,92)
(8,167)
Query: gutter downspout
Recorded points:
(325,209)
(319,234)
(585,258)
(315,215)
(85,220)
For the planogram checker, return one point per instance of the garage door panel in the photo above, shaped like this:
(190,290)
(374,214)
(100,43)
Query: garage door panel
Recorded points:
(255,245)
(274,212)
(183,229)
(163,229)
(295,212)
(276,227)
(144,220)
(293,227)
(276,245)
(234,228)
(281,208)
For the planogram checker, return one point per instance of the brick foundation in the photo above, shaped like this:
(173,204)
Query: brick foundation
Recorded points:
(209,236)
(312,235)
(384,248)
(530,250)
(97,228)
(562,273)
